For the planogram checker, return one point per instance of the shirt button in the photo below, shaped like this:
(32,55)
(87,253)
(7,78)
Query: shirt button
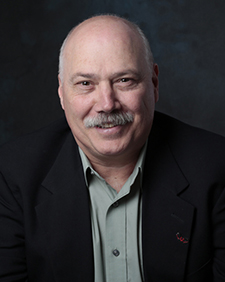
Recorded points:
(116,253)
(116,204)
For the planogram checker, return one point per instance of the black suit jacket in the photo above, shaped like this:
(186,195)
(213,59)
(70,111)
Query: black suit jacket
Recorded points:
(45,229)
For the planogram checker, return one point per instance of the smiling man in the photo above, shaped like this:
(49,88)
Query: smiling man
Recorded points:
(108,91)
(108,194)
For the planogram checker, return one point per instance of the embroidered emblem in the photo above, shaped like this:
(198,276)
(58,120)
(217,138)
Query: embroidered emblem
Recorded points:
(182,239)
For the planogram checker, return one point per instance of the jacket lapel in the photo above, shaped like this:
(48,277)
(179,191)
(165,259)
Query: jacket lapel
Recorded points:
(63,212)
(167,218)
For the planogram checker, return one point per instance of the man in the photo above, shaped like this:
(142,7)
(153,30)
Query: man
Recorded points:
(112,196)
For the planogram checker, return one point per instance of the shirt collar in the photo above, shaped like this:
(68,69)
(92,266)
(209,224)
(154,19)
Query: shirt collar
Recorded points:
(139,167)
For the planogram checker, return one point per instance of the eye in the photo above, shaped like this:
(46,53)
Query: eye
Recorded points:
(126,82)
(125,79)
(84,86)
(85,83)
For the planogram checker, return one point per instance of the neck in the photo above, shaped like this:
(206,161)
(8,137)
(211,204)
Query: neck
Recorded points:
(115,176)
(114,169)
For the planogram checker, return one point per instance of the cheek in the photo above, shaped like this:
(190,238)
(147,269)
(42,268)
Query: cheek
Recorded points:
(148,99)
(78,107)
(140,103)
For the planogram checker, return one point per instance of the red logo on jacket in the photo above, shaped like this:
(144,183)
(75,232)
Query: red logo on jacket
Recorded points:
(181,239)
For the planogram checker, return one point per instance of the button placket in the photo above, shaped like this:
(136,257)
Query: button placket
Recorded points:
(115,241)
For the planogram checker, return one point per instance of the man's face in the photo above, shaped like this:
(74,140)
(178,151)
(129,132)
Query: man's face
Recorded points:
(105,72)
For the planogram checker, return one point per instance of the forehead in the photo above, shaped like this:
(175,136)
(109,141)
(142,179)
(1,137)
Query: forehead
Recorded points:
(99,38)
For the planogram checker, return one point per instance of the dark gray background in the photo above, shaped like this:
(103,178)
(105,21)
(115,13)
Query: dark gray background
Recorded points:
(187,40)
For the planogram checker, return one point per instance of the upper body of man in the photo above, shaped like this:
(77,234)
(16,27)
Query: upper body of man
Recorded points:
(108,194)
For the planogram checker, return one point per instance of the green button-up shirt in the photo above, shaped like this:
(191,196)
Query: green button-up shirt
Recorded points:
(116,225)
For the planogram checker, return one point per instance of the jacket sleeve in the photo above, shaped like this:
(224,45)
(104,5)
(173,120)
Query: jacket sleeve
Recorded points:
(218,221)
(12,243)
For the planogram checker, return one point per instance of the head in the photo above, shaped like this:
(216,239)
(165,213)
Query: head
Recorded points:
(108,86)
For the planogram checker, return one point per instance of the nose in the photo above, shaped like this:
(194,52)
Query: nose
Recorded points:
(106,100)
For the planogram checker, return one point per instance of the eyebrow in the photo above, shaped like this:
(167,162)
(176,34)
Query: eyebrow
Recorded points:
(114,75)
(84,75)
(126,72)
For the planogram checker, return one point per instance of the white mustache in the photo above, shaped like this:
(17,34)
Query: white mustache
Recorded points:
(116,118)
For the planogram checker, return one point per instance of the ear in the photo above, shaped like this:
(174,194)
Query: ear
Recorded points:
(60,92)
(155,81)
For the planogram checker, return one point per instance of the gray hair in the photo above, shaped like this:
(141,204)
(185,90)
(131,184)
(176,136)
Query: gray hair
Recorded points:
(148,53)
(114,118)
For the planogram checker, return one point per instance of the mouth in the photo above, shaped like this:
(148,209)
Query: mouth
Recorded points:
(106,125)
